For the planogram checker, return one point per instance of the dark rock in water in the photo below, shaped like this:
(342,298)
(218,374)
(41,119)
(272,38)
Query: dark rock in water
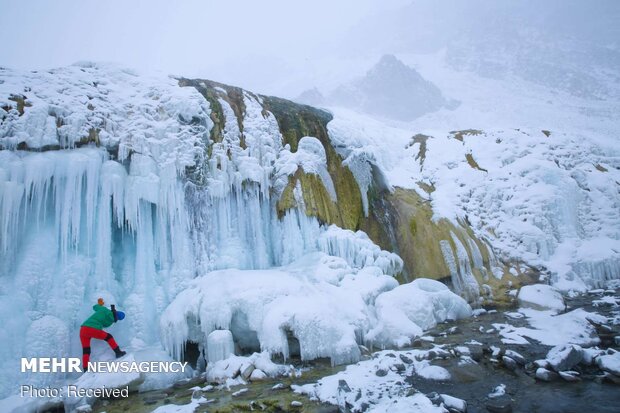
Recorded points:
(431,355)
(381,373)
(509,363)
(392,355)
(435,398)
(546,375)
(343,386)
(564,357)
(417,343)
(612,378)
(499,405)
(516,357)
(476,352)
(405,359)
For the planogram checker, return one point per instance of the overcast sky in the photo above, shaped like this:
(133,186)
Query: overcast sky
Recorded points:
(193,38)
(284,46)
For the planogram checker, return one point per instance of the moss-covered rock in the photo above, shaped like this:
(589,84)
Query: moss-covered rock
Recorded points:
(400,221)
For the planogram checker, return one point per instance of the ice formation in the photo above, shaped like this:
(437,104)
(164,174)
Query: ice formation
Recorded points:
(279,309)
(111,186)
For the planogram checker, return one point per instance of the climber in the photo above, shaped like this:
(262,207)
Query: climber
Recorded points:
(93,328)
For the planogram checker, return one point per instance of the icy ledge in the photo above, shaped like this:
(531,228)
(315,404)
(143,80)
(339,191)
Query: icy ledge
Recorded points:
(319,306)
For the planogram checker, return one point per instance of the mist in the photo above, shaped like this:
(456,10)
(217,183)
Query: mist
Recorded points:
(282,47)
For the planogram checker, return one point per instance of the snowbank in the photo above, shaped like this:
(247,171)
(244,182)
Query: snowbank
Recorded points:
(550,329)
(409,309)
(282,309)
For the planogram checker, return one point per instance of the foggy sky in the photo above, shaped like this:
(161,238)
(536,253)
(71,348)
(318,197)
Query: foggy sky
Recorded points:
(284,46)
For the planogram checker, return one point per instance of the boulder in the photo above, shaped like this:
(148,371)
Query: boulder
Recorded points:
(454,404)
(564,357)
(541,297)
(546,375)
(609,363)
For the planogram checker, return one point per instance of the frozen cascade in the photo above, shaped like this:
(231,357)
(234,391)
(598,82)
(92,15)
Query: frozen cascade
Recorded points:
(358,250)
(459,265)
(116,216)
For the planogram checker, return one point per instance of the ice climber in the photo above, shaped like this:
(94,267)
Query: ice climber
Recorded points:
(93,328)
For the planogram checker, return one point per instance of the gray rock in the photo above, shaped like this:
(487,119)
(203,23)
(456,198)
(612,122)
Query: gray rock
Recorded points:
(405,359)
(509,363)
(343,386)
(247,371)
(516,357)
(476,353)
(398,367)
(564,357)
(454,404)
(499,405)
(546,375)
(435,398)
(381,373)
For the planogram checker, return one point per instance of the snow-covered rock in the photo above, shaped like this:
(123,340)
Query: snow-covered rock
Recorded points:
(541,297)
(409,309)
(609,362)
(565,357)
(546,375)
(453,403)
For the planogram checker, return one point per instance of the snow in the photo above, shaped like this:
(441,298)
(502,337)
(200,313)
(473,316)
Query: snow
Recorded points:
(610,363)
(550,329)
(359,385)
(183,408)
(409,309)
(548,201)
(540,296)
(498,391)
(433,373)
(311,158)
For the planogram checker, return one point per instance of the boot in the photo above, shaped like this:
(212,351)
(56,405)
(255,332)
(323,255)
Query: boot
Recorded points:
(119,353)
